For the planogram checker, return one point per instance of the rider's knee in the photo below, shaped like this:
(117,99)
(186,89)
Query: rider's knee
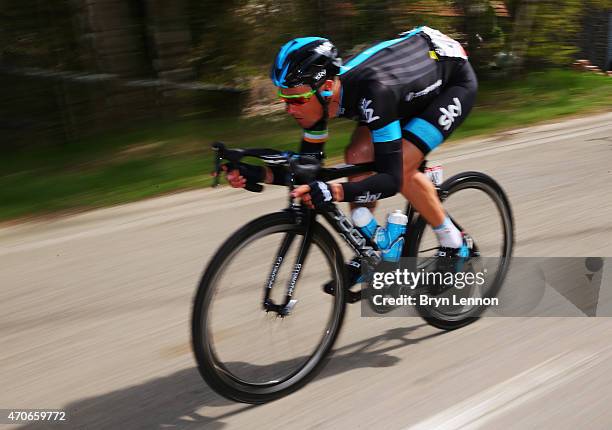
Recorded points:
(410,178)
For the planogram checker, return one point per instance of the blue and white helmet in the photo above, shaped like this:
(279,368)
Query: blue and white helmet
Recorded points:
(305,61)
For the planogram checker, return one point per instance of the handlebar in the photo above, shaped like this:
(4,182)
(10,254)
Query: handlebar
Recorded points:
(302,169)
(235,155)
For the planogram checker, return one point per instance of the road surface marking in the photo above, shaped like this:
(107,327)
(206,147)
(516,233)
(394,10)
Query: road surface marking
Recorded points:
(475,411)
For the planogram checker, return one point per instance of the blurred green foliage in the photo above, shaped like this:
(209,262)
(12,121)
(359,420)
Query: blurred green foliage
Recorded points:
(546,32)
(163,157)
(240,37)
(234,39)
(129,54)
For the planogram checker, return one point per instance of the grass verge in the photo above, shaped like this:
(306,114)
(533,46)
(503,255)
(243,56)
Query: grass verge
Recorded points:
(161,158)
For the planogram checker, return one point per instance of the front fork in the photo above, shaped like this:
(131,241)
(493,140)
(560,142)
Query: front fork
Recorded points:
(307,218)
(343,225)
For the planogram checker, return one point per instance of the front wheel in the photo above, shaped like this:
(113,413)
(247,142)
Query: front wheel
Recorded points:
(479,207)
(245,353)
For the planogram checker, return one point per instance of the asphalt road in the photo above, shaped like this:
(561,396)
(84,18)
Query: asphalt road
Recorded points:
(95,311)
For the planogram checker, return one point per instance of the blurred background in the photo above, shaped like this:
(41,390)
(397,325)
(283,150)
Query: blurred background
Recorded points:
(110,101)
(107,101)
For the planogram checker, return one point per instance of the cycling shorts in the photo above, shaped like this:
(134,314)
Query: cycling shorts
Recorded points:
(429,128)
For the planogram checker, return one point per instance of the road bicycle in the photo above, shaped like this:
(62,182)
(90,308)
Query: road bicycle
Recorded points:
(262,324)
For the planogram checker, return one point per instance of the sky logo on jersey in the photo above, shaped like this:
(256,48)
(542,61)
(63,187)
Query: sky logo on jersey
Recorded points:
(367,197)
(449,114)
(367,112)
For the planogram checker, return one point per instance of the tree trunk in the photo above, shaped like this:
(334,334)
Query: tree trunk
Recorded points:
(521,35)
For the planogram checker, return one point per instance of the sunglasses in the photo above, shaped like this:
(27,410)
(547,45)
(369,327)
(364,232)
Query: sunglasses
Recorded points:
(296,99)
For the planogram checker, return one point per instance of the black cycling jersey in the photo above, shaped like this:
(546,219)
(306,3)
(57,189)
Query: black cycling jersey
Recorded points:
(380,88)
(418,86)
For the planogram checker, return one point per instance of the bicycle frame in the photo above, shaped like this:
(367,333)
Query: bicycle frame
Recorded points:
(343,225)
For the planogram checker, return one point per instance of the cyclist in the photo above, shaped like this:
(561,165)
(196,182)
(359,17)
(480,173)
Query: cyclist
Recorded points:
(408,95)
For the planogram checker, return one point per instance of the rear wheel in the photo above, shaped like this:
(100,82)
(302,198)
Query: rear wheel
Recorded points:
(245,353)
(479,207)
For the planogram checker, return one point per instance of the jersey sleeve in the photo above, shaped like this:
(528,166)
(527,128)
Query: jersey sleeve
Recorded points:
(378,111)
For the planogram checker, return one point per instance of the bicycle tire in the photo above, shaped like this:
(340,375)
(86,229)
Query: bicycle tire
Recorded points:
(210,368)
(482,182)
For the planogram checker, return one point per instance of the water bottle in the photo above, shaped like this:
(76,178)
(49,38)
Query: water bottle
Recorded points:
(363,218)
(396,227)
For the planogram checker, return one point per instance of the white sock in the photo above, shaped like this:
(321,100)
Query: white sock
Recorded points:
(448,234)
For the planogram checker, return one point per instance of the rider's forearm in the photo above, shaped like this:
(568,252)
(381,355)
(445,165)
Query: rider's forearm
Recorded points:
(276,175)
(386,183)
(269,176)
(379,186)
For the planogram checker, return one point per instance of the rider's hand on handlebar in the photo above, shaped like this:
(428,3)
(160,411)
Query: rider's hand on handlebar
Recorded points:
(239,177)
(319,195)
(234,178)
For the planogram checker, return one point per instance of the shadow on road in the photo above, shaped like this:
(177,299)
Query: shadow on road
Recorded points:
(167,402)
(172,401)
(373,352)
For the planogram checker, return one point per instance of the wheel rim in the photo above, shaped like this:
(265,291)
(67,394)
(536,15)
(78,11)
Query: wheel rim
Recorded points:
(495,246)
(245,354)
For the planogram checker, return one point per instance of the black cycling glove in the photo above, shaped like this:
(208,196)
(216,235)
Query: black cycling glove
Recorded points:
(321,195)
(252,174)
